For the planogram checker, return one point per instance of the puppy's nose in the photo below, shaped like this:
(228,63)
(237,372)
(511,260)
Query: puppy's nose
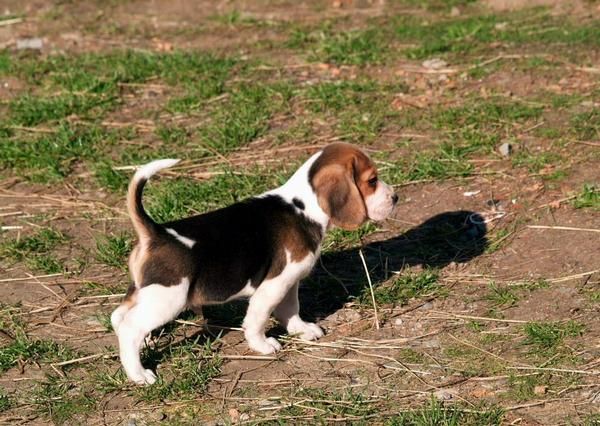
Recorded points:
(394,198)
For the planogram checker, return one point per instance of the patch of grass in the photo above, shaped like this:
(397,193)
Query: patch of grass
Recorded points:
(358,47)
(448,162)
(51,157)
(102,72)
(109,382)
(112,250)
(35,250)
(586,125)
(338,239)
(521,388)
(336,96)
(548,336)
(535,162)
(474,34)
(240,120)
(109,178)
(6,403)
(480,126)
(191,367)
(22,349)
(61,400)
(403,288)
(411,356)
(589,197)
(31,110)
(330,403)
(178,198)
(501,296)
(438,414)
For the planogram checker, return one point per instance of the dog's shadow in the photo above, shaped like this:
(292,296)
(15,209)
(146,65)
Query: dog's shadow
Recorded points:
(339,277)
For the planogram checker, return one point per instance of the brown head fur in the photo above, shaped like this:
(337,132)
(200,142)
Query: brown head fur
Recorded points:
(340,178)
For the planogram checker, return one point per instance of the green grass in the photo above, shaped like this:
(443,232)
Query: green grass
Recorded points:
(107,177)
(328,404)
(357,47)
(339,95)
(501,296)
(338,239)
(535,161)
(6,403)
(473,34)
(188,369)
(51,157)
(403,288)
(22,349)
(353,47)
(438,414)
(177,198)
(112,250)
(242,119)
(589,197)
(447,162)
(548,336)
(36,250)
(61,400)
(586,125)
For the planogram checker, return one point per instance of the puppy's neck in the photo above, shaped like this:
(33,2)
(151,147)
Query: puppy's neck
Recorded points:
(298,192)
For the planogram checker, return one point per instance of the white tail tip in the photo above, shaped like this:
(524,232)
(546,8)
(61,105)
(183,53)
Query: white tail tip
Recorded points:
(151,168)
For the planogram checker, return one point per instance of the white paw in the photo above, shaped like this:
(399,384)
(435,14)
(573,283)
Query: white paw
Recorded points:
(143,377)
(264,345)
(305,330)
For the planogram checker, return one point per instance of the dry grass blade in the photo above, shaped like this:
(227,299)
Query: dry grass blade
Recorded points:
(364,263)
(563,228)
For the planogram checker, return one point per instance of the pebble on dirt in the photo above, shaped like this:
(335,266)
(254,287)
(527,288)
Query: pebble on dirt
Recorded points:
(34,43)
(505,149)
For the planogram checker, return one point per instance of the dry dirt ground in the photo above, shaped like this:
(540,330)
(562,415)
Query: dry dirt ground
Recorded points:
(486,279)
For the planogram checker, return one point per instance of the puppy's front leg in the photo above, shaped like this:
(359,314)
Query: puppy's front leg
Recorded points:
(288,314)
(268,295)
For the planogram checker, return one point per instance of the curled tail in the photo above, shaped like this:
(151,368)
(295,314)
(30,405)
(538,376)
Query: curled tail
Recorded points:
(142,223)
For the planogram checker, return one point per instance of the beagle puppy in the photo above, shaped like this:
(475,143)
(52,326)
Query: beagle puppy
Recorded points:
(259,248)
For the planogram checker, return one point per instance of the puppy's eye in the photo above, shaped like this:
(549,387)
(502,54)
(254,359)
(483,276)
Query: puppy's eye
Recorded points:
(372,182)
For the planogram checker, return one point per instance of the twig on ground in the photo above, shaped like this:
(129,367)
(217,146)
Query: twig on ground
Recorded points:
(362,257)
(563,228)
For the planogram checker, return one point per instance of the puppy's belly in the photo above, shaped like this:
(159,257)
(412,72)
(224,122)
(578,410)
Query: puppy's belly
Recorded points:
(203,295)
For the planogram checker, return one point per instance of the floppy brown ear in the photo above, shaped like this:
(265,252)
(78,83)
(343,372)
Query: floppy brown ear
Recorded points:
(339,197)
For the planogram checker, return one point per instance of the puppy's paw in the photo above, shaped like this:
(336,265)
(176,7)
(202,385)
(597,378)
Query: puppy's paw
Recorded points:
(264,345)
(143,377)
(305,330)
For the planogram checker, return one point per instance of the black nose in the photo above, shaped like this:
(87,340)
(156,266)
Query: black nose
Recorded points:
(395,198)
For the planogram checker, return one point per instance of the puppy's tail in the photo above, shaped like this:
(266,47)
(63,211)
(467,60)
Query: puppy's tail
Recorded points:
(142,223)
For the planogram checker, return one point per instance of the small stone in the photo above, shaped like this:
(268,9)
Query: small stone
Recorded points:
(398,322)
(234,415)
(540,390)
(454,12)
(427,306)
(435,64)
(505,149)
(34,43)
(443,395)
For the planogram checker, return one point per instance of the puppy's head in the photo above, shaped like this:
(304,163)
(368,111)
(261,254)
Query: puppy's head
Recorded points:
(347,187)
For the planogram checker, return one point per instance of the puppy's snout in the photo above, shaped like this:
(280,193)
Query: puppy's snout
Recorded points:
(394,198)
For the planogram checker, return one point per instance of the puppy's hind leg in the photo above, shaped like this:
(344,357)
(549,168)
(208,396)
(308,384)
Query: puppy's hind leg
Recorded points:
(155,305)
(118,314)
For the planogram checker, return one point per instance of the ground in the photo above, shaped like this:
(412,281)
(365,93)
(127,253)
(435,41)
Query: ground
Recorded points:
(485,117)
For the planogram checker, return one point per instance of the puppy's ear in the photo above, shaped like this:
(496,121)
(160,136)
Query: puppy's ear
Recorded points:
(339,196)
